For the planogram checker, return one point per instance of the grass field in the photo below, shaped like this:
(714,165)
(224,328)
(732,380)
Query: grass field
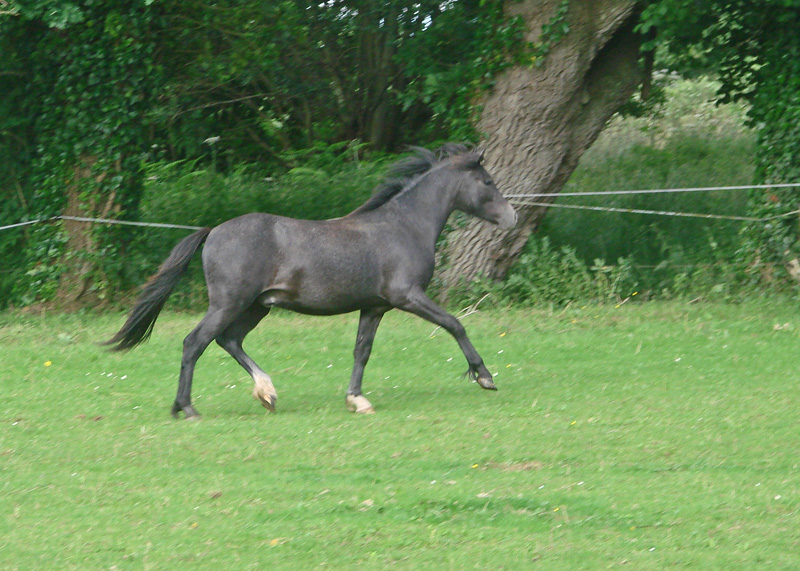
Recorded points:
(649,436)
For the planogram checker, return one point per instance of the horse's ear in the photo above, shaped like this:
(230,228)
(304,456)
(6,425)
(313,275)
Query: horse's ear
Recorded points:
(481,153)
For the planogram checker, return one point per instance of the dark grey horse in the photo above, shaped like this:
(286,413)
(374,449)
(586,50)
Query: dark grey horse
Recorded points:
(378,257)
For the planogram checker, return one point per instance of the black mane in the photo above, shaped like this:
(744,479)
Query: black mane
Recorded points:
(402,173)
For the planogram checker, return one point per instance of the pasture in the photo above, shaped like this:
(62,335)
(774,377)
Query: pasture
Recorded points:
(650,436)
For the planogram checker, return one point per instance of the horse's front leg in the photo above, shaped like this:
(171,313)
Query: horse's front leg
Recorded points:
(367,326)
(420,304)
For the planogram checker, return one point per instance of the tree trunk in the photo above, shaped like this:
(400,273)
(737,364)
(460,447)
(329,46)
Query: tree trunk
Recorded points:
(538,121)
(80,263)
(377,71)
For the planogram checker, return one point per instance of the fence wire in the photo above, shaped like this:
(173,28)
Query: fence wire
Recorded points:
(519,199)
(101,221)
(653,212)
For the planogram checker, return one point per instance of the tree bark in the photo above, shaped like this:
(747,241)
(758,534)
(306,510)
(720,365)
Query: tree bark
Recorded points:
(75,285)
(538,121)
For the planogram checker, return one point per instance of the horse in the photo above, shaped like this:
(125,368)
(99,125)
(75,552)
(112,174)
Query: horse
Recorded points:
(378,257)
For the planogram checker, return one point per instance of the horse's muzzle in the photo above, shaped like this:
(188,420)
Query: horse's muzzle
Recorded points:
(507,218)
(499,212)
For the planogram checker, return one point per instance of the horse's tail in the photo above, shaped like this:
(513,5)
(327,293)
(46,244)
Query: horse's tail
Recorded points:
(143,316)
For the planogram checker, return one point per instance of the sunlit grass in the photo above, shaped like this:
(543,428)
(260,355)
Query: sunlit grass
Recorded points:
(653,435)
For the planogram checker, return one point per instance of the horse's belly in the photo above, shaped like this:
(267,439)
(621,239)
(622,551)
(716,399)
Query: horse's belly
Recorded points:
(322,298)
(317,308)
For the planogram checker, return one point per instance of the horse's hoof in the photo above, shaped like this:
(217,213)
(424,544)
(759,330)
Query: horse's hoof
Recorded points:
(359,404)
(486,383)
(188,411)
(268,401)
(264,390)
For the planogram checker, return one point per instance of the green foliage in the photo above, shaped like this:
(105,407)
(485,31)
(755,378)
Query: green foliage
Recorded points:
(443,79)
(755,50)
(269,77)
(85,74)
(684,162)
(778,241)
(546,275)
(40,280)
(12,245)
(92,83)
(452,84)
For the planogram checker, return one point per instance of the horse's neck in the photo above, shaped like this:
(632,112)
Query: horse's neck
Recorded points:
(427,205)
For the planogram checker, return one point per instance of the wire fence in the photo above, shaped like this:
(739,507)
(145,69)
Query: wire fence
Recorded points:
(654,212)
(529,199)
(660,190)
(101,221)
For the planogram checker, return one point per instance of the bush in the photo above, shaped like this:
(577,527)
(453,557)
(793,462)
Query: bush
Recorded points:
(546,274)
(550,275)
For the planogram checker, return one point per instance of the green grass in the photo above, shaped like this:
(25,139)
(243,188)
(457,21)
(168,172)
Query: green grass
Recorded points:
(653,436)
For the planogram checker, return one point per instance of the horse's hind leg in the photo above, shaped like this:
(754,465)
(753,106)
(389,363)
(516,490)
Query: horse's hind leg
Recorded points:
(214,321)
(231,340)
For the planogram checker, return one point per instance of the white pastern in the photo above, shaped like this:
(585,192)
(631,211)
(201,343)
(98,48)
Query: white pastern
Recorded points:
(359,404)
(264,391)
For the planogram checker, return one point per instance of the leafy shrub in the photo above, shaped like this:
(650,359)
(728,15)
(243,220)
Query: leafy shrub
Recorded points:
(550,275)
(546,274)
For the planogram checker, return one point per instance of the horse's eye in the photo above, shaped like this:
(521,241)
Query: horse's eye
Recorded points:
(488,182)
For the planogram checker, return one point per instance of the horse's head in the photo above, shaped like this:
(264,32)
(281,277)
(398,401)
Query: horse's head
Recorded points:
(478,194)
